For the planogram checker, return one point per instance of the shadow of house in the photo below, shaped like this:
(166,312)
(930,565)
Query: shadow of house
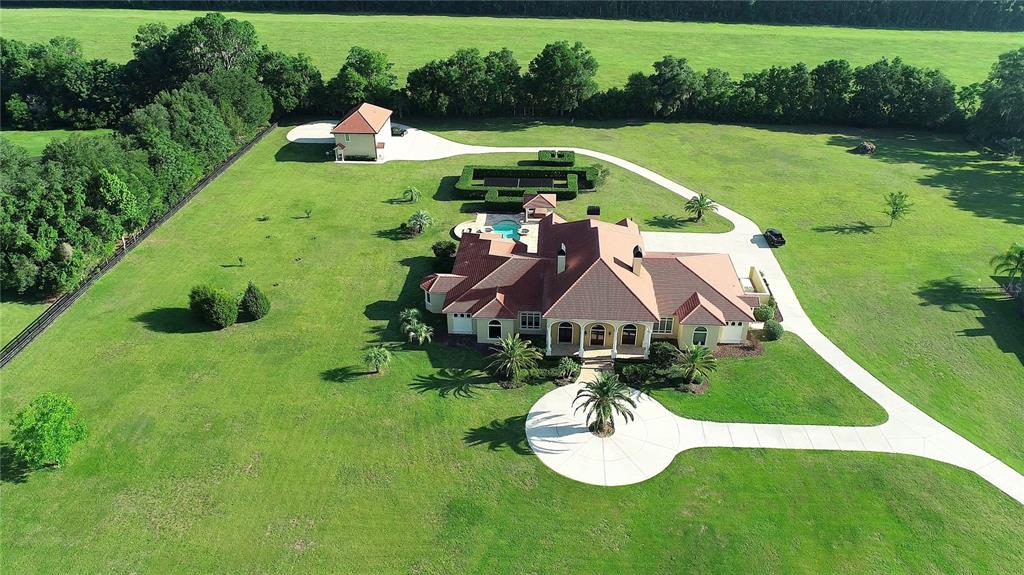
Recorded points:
(997,314)
(307,153)
(453,382)
(499,435)
(12,468)
(853,228)
(172,320)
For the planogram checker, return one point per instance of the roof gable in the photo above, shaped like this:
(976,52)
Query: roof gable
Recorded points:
(363,119)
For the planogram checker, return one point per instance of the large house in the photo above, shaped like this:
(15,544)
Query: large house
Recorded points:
(589,286)
(364,133)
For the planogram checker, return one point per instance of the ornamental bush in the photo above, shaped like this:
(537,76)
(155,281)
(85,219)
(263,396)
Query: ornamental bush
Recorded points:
(213,306)
(764,312)
(444,249)
(773,330)
(254,302)
(663,354)
(636,374)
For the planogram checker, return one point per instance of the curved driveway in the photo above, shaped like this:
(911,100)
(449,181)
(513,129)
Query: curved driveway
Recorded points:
(554,431)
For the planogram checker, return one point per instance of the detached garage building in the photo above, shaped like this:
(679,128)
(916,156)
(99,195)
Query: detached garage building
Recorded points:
(363,134)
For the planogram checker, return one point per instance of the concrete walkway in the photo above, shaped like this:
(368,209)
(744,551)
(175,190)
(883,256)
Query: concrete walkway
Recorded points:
(553,430)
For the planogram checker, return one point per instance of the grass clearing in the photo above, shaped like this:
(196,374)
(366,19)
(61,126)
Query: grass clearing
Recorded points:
(36,140)
(621,47)
(265,446)
(916,303)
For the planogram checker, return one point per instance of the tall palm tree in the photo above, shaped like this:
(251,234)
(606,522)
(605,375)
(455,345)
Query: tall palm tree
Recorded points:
(1011,263)
(512,356)
(377,358)
(420,221)
(700,204)
(697,361)
(603,398)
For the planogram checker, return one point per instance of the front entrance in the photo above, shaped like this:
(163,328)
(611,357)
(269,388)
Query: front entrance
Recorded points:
(597,335)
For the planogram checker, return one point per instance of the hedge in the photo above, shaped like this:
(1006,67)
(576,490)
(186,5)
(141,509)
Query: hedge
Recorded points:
(556,157)
(503,203)
(576,179)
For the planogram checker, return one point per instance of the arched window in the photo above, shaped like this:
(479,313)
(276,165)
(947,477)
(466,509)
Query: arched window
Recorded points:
(494,329)
(629,334)
(597,335)
(565,332)
(700,335)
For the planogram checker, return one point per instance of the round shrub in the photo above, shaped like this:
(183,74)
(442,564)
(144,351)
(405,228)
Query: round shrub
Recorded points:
(444,248)
(254,302)
(663,354)
(214,306)
(764,312)
(636,374)
(773,330)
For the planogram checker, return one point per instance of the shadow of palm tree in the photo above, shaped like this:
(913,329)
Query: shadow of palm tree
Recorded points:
(12,468)
(853,228)
(668,221)
(498,435)
(454,382)
(343,374)
(172,320)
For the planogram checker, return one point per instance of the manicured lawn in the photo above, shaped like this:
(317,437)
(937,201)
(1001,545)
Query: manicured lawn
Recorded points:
(789,383)
(621,47)
(35,140)
(264,447)
(15,315)
(916,303)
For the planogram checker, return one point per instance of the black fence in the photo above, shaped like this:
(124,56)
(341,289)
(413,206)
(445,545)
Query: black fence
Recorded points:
(39,325)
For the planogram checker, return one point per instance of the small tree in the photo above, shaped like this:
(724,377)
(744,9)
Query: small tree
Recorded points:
(697,362)
(699,205)
(1011,263)
(444,249)
(420,221)
(377,358)
(214,306)
(897,205)
(254,302)
(45,430)
(568,368)
(773,330)
(513,356)
(421,333)
(663,354)
(412,195)
(602,399)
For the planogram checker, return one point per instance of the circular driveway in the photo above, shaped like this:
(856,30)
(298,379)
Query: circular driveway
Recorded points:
(313,133)
(638,450)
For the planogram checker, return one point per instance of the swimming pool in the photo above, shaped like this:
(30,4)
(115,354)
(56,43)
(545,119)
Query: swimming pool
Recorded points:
(507,228)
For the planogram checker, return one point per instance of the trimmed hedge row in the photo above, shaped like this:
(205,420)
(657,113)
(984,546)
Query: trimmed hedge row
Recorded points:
(576,179)
(556,157)
(499,201)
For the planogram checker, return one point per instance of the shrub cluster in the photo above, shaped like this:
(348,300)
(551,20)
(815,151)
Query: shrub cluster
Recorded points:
(773,330)
(255,303)
(576,179)
(556,157)
(663,354)
(213,306)
(764,312)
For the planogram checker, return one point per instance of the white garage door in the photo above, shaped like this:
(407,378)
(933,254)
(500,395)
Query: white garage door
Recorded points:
(732,333)
(462,323)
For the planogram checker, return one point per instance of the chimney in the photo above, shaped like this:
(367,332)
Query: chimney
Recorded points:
(561,259)
(594,212)
(638,260)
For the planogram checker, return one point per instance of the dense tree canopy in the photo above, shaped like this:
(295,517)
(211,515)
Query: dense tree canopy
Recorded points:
(999,121)
(366,76)
(561,78)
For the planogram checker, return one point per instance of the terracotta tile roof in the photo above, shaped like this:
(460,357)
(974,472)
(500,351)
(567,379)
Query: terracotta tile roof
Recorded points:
(440,283)
(363,119)
(540,200)
(677,277)
(698,310)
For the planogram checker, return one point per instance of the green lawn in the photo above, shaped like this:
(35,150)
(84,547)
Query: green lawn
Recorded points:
(621,47)
(916,303)
(35,140)
(264,447)
(15,315)
(789,383)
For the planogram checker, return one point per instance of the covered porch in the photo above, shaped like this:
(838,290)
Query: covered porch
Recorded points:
(598,339)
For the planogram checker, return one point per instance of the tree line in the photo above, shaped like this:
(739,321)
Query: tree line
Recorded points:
(1006,15)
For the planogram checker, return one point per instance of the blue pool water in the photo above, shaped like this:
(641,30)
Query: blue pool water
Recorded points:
(507,228)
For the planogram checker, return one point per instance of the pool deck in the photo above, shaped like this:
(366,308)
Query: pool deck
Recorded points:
(485,223)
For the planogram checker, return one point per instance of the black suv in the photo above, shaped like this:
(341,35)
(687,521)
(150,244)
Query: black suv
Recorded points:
(774,237)
(398,132)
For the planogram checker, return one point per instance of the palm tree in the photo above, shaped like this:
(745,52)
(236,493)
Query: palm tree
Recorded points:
(377,358)
(697,361)
(420,221)
(603,398)
(700,204)
(512,356)
(1011,263)
(422,333)
(409,315)
(412,195)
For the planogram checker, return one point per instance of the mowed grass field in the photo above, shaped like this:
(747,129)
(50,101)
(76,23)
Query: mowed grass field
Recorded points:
(915,303)
(36,140)
(265,447)
(621,47)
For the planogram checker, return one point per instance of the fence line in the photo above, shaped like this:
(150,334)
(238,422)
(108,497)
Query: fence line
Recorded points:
(59,306)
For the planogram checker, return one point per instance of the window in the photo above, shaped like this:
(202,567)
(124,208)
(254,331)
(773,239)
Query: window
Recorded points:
(529,320)
(700,335)
(494,329)
(629,335)
(348,137)
(664,325)
(565,332)
(428,296)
